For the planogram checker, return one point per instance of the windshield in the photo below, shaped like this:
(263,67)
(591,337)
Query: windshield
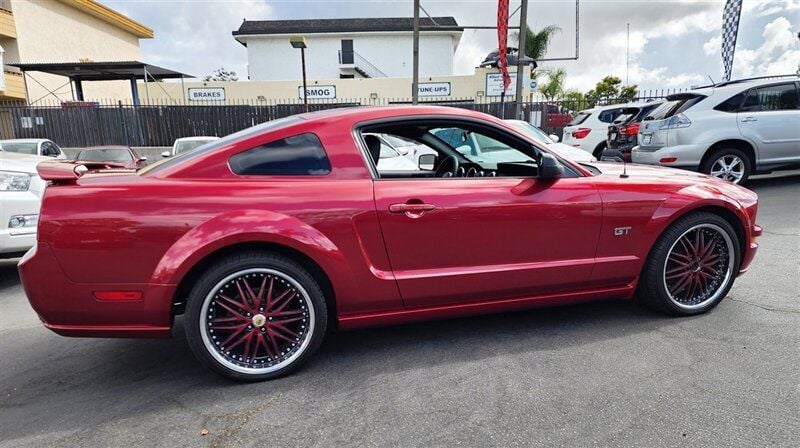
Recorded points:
(104,155)
(399,142)
(534,132)
(580,118)
(188,145)
(20,147)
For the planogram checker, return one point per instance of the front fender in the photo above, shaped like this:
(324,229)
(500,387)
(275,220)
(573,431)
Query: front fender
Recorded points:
(245,226)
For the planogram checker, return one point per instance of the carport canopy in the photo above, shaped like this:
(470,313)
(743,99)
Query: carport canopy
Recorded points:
(77,72)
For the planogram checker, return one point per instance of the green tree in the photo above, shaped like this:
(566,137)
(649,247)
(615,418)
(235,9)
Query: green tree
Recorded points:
(575,101)
(628,93)
(221,74)
(554,87)
(536,42)
(611,88)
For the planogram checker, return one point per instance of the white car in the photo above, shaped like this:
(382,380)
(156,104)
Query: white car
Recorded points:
(729,130)
(33,146)
(589,129)
(391,159)
(21,191)
(551,142)
(187,144)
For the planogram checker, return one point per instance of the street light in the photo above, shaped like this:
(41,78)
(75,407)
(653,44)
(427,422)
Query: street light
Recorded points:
(300,42)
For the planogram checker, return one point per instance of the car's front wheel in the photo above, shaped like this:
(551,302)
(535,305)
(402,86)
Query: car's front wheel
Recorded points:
(255,316)
(729,164)
(691,267)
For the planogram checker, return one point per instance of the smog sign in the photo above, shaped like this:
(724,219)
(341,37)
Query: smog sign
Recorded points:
(207,94)
(317,92)
(434,89)
(494,84)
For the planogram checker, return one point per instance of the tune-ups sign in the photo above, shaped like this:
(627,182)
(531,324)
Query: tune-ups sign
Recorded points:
(317,92)
(434,89)
(207,94)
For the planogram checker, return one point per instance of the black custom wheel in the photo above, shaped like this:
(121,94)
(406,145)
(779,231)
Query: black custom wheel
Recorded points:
(255,317)
(729,164)
(691,267)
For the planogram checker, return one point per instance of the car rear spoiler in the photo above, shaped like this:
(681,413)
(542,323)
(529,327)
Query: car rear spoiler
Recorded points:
(66,172)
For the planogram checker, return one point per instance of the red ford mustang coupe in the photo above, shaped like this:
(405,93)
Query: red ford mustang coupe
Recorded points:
(268,238)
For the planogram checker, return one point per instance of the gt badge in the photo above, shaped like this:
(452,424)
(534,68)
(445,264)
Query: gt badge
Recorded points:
(622,231)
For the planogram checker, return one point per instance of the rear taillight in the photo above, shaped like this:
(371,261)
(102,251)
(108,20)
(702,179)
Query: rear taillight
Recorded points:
(631,129)
(581,133)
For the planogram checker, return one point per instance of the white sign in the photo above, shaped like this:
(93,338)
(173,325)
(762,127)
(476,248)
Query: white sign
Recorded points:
(207,94)
(494,84)
(434,89)
(317,92)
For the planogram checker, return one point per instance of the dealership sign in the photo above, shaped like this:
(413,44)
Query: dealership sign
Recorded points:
(494,84)
(207,94)
(434,89)
(317,92)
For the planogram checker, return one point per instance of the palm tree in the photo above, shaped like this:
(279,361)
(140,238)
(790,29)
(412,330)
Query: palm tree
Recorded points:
(554,87)
(536,42)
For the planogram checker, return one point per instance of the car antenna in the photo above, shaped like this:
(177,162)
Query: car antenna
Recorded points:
(624,174)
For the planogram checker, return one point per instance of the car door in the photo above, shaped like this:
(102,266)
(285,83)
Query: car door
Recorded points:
(770,117)
(465,239)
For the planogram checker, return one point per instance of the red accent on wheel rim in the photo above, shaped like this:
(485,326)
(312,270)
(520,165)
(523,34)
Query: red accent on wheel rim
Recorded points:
(696,266)
(257,320)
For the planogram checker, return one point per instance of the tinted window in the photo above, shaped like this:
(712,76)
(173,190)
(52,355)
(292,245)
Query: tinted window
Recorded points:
(22,148)
(104,155)
(608,116)
(731,104)
(292,156)
(580,118)
(778,97)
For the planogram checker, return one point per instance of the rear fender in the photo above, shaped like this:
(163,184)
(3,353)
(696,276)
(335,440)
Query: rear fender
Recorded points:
(247,226)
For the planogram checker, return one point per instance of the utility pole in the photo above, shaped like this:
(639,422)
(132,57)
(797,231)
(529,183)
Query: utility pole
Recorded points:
(627,55)
(523,20)
(415,57)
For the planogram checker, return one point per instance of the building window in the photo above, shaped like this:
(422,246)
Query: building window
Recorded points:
(344,76)
(299,155)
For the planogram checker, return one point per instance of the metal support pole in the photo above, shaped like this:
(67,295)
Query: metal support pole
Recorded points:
(79,89)
(305,89)
(627,54)
(415,57)
(146,86)
(523,20)
(134,92)
(183,90)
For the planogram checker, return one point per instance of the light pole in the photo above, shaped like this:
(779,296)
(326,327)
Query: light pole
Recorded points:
(300,42)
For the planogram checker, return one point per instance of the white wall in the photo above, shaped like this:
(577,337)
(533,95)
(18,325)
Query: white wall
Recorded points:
(272,58)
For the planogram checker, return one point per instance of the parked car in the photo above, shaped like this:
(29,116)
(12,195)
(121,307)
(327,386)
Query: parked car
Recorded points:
(268,237)
(21,191)
(551,141)
(122,156)
(623,132)
(730,130)
(187,144)
(33,146)
(588,129)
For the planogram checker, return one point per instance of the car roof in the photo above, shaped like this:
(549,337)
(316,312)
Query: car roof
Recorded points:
(741,85)
(25,140)
(199,137)
(92,148)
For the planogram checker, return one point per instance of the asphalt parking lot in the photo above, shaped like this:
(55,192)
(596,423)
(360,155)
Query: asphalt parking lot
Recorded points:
(602,374)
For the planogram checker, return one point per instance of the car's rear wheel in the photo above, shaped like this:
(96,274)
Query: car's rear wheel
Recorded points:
(692,266)
(729,164)
(255,316)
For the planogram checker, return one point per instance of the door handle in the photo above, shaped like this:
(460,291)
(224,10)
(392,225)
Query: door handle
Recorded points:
(748,119)
(411,209)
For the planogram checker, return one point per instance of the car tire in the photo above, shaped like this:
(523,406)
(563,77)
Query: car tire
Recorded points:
(691,267)
(598,151)
(255,316)
(740,165)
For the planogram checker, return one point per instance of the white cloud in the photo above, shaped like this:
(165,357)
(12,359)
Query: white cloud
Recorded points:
(779,54)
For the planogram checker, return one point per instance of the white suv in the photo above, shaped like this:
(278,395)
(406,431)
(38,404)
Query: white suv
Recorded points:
(589,129)
(730,130)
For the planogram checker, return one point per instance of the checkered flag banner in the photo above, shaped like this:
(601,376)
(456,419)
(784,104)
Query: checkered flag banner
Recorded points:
(730,28)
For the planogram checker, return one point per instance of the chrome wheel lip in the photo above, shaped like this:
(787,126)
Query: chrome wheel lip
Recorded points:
(728,272)
(211,348)
(725,171)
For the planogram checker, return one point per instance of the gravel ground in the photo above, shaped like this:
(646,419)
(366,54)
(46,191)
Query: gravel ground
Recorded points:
(602,374)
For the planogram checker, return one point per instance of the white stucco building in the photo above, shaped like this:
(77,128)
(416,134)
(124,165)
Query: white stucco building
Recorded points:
(348,48)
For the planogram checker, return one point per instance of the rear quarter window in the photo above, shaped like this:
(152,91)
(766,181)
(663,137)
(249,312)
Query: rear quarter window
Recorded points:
(580,118)
(608,116)
(299,155)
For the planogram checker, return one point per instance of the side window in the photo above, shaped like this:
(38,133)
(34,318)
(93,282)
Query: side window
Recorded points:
(777,97)
(608,116)
(732,104)
(299,155)
(49,149)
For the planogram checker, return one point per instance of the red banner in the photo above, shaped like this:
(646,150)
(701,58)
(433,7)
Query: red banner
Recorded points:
(502,41)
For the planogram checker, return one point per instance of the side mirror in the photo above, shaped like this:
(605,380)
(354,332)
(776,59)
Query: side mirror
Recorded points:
(427,162)
(554,137)
(550,167)
(165,154)
(142,159)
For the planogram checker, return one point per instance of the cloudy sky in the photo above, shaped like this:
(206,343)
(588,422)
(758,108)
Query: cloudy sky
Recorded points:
(672,43)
